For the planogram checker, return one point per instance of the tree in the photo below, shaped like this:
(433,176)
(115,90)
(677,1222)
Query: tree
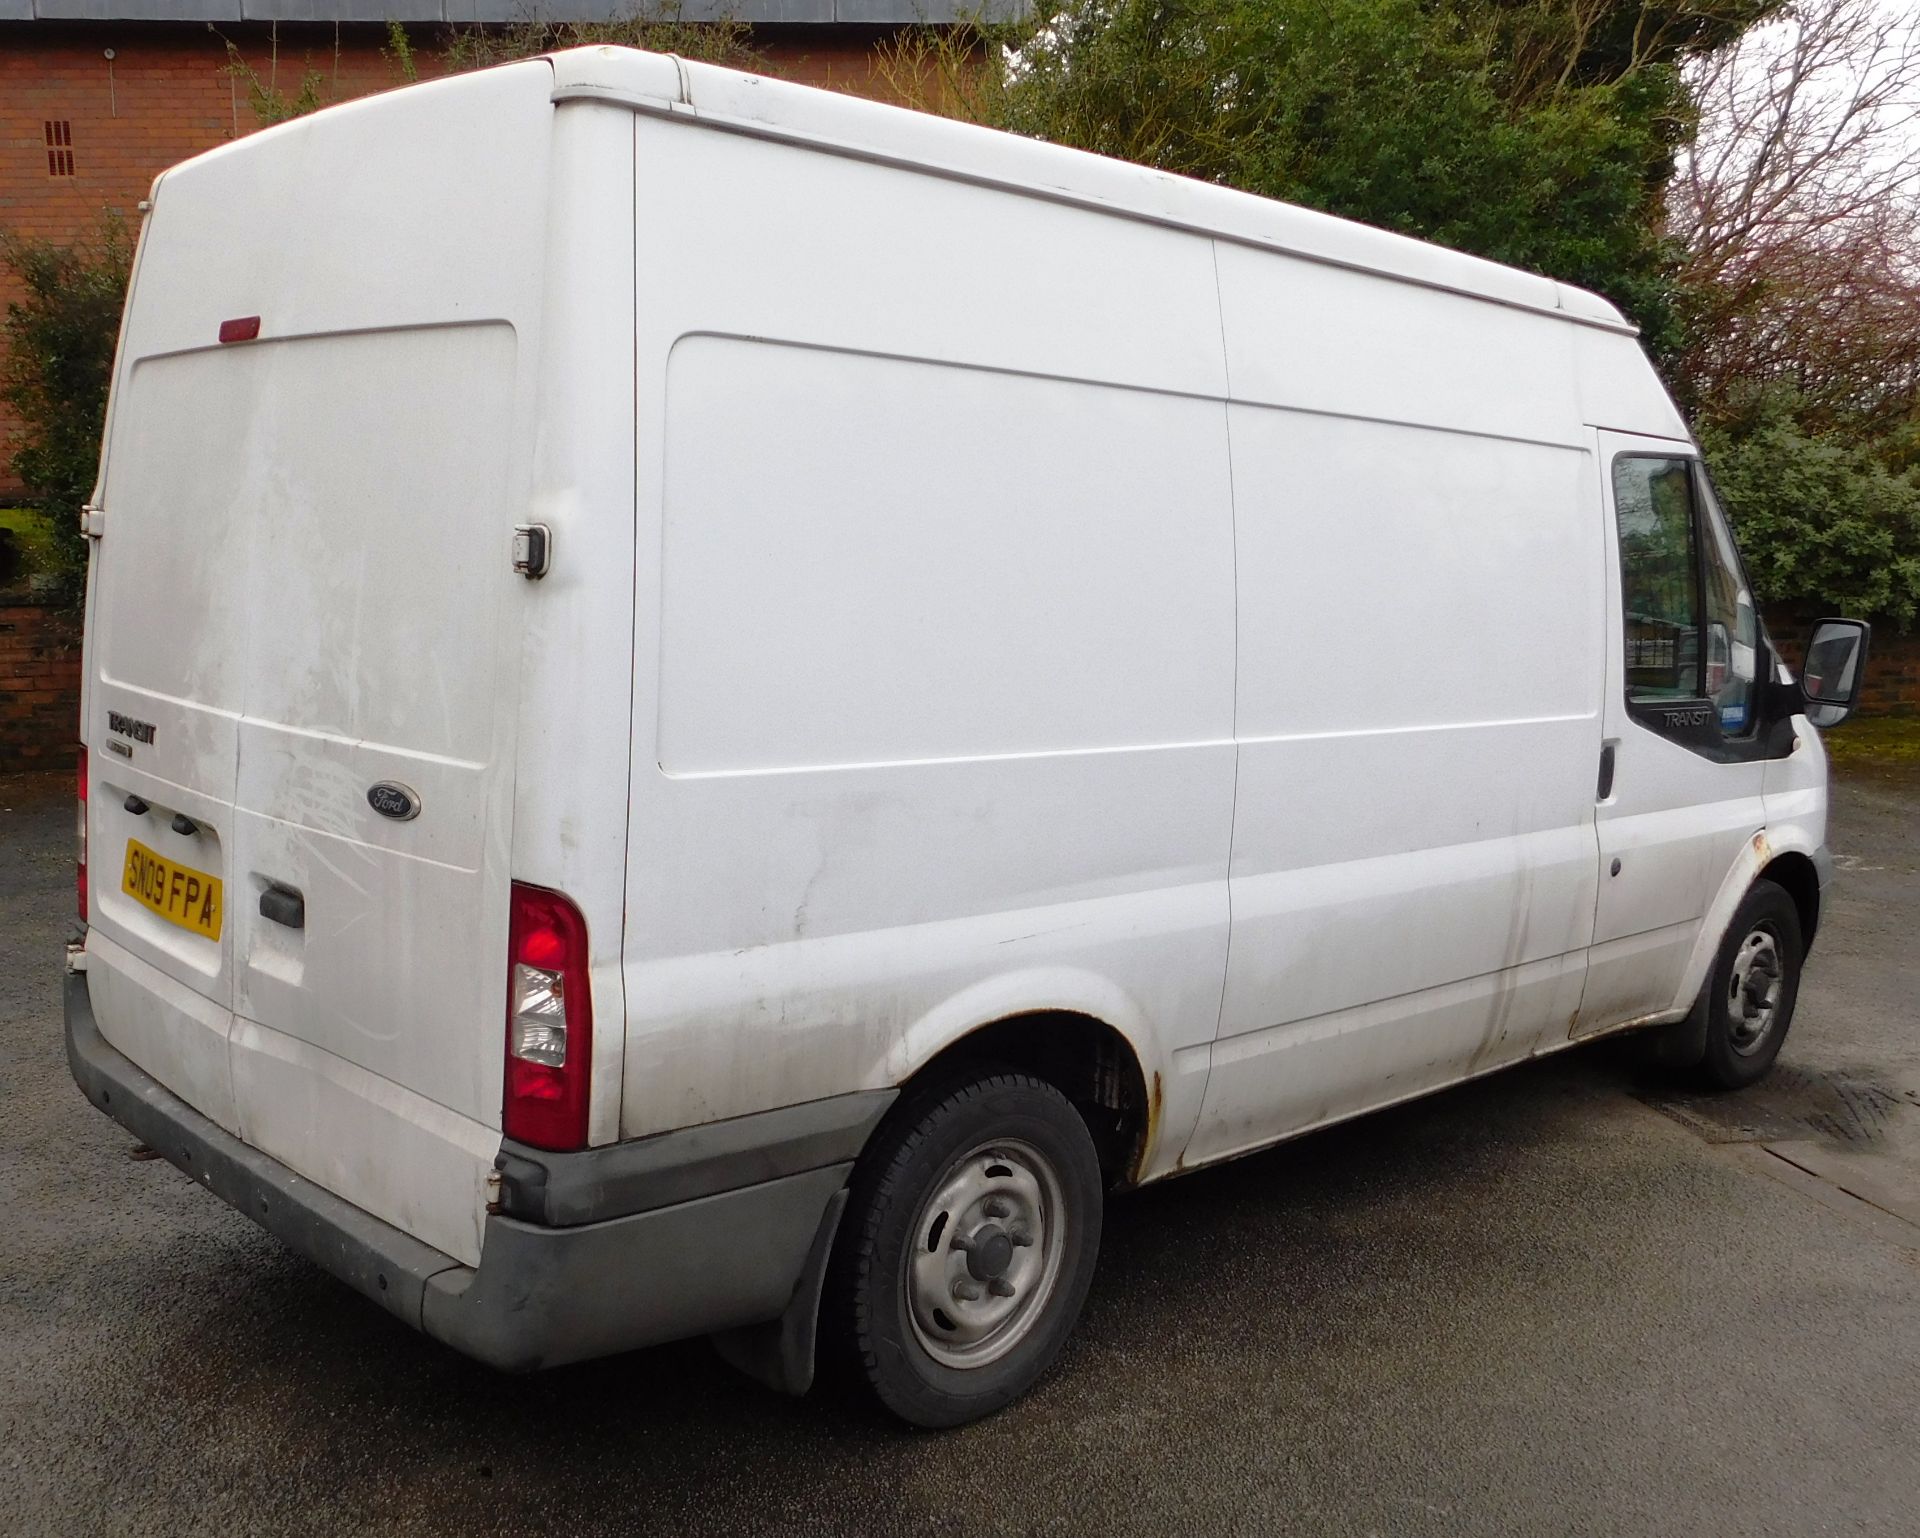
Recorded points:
(1536,132)
(54,373)
(658,27)
(1798,212)
(1824,521)
(1798,209)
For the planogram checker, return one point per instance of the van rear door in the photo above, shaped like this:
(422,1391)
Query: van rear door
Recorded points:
(165,693)
(304,586)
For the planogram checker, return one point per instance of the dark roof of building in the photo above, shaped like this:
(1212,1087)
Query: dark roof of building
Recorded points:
(757,12)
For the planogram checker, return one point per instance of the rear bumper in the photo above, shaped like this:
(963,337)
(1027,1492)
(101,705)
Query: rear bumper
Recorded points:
(541,1295)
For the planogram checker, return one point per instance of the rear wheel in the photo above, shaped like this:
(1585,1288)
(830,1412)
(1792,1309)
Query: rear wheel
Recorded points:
(969,1243)
(1752,989)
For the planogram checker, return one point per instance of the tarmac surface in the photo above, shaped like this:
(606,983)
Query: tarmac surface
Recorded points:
(1560,1300)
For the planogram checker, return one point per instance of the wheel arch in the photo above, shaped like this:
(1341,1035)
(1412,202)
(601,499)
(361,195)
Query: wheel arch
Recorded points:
(1087,1059)
(1796,873)
(1758,857)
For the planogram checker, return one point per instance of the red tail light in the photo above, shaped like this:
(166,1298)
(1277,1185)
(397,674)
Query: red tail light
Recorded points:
(549,1021)
(80,838)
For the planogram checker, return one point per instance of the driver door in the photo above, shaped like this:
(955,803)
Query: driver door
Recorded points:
(1685,746)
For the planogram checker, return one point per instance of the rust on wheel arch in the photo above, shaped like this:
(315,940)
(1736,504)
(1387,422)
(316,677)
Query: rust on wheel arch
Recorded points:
(1150,1133)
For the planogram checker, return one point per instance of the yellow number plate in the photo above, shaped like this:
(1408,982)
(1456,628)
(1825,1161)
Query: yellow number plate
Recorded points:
(178,893)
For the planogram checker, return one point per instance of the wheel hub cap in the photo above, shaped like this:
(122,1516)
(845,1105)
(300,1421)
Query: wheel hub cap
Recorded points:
(987,1252)
(1753,990)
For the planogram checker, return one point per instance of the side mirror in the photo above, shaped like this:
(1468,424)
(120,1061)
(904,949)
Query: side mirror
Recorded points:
(1834,669)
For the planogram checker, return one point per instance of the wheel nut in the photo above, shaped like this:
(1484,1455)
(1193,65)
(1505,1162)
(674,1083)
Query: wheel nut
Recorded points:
(1021,1236)
(997,1207)
(966,1292)
(1000,1287)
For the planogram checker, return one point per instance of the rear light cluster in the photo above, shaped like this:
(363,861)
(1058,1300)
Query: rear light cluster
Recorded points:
(80,838)
(549,1021)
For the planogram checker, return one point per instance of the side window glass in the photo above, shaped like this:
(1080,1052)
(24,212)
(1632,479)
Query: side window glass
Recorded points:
(1653,498)
(1733,628)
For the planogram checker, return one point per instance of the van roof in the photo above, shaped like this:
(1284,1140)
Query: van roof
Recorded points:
(851,125)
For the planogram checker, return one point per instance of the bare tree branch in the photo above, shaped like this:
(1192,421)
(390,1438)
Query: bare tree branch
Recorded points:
(1798,207)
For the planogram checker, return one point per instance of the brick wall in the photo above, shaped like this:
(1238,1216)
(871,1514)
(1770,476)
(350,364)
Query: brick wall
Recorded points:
(39,688)
(168,94)
(1893,661)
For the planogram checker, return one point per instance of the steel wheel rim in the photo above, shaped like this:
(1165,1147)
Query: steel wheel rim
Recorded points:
(987,1249)
(1753,991)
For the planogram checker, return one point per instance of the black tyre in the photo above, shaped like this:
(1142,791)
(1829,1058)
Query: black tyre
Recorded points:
(968,1245)
(1751,990)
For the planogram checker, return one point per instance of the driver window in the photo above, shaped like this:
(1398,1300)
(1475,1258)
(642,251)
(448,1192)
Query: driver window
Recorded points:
(1653,499)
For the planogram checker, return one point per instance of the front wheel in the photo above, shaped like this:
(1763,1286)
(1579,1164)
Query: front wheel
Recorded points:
(1751,991)
(969,1243)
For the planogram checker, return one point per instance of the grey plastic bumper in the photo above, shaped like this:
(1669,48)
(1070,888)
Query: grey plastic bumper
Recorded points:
(541,1295)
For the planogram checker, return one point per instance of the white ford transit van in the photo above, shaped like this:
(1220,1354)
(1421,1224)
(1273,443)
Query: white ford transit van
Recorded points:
(712,707)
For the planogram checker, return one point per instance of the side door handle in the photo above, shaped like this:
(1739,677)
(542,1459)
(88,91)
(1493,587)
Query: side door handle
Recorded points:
(1605,787)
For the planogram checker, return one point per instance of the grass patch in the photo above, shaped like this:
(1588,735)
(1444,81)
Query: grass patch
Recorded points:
(32,537)
(1875,744)
(30,526)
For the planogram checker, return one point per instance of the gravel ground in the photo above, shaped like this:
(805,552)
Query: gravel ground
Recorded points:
(1556,1301)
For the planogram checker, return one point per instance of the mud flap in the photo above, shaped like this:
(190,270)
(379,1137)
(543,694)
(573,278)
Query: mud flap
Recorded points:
(1683,1044)
(780,1353)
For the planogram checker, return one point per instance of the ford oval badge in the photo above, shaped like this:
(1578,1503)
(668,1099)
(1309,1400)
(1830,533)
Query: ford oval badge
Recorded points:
(391,799)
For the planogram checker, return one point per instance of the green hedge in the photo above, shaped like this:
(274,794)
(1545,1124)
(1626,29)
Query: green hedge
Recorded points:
(1824,519)
(58,361)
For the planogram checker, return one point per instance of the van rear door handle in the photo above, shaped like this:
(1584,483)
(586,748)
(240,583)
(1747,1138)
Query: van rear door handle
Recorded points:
(284,907)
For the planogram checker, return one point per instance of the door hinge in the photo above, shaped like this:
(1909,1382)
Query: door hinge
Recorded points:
(532,546)
(93,521)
